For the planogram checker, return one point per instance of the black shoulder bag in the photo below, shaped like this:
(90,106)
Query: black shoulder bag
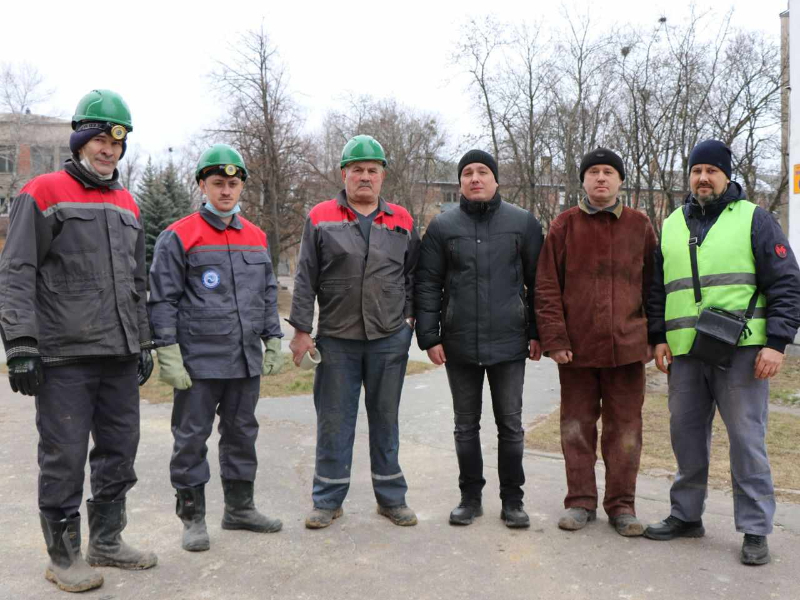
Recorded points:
(718,330)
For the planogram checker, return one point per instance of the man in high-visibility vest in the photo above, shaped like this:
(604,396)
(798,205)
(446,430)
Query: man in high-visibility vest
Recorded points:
(740,250)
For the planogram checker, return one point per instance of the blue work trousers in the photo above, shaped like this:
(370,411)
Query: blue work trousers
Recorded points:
(696,390)
(380,366)
(234,400)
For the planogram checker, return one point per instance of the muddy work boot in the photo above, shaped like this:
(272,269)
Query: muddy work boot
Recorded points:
(627,525)
(466,512)
(755,550)
(399,515)
(514,516)
(240,510)
(191,509)
(67,568)
(319,518)
(106,547)
(576,518)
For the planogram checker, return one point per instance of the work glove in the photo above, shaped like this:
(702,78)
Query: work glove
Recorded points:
(273,357)
(171,370)
(145,367)
(25,374)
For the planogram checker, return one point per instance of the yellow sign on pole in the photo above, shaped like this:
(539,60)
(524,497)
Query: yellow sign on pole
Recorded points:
(797,179)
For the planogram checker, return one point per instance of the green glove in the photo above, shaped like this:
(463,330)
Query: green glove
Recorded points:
(273,357)
(171,369)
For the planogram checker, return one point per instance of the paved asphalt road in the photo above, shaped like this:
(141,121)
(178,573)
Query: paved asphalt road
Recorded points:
(363,555)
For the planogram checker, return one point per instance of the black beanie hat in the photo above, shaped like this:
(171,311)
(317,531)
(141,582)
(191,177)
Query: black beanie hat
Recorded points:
(712,152)
(81,136)
(602,156)
(478,156)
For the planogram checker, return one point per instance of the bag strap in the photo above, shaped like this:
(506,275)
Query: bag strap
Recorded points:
(698,297)
(751,308)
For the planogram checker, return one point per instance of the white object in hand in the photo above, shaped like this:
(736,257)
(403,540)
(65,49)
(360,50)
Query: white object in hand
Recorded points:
(310,362)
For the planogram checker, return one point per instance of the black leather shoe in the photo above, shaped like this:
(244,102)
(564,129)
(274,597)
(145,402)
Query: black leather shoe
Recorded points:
(672,527)
(755,550)
(514,516)
(466,511)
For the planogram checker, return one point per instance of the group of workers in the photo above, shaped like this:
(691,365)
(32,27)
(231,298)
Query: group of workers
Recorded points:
(484,289)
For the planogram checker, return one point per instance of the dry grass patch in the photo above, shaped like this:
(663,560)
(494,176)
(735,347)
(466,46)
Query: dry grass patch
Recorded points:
(657,456)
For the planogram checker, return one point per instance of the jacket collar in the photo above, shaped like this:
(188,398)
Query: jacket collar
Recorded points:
(587,207)
(216,222)
(74,168)
(473,207)
(383,206)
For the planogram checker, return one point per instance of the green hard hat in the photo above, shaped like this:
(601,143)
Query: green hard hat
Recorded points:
(227,160)
(103,105)
(362,147)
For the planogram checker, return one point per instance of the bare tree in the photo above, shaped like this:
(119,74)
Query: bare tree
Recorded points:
(264,123)
(22,90)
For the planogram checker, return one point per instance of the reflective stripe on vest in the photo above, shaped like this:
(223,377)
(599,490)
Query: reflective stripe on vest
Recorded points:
(727,271)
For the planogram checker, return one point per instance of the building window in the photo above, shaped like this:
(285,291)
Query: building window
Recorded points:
(41,159)
(7,159)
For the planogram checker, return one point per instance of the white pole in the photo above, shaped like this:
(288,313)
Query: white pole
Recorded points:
(794,124)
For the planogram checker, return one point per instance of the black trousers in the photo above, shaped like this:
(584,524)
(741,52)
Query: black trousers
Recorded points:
(466,385)
(234,400)
(100,398)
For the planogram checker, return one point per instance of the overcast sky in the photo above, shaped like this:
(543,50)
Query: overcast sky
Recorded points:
(158,54)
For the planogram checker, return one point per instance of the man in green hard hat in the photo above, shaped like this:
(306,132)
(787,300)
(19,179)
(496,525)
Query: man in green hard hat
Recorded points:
(357,259)
(213,299)
(74,325)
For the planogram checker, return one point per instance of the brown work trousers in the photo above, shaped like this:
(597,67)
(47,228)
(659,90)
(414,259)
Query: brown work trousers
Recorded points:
(616,394)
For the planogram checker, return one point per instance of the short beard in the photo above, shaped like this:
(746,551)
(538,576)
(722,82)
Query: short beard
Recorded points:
(710,199)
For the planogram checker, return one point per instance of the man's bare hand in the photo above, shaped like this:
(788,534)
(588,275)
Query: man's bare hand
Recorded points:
(562,357)
(534,350)
(301,343)
(436,354)
(768,363)
(651,352)
(663,357)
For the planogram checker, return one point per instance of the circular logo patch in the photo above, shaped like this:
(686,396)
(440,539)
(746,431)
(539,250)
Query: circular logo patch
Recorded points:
(210,279)
(781,251)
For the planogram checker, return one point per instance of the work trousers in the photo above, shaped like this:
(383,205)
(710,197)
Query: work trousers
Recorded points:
(234,400)
(100,398)
(466,385)
(615,395)
(696,390)
(380,366)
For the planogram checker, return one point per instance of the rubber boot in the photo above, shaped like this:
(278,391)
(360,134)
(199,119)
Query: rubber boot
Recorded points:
(191,508)
(240,511)
(106,547)
(67,568)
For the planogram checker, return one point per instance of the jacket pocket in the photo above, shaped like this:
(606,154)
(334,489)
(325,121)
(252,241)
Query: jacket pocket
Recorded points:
(76,231)
(206,274)
(335,285)
(206,326)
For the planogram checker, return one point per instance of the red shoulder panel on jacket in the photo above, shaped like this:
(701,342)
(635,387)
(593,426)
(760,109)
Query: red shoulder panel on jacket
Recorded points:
(54,188)
(328,211)
(401,217)
(194,231)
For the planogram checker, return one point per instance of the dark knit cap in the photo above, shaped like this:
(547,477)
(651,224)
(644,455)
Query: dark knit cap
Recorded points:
(85,132)
(478,156)
(602,156)
(712,152)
